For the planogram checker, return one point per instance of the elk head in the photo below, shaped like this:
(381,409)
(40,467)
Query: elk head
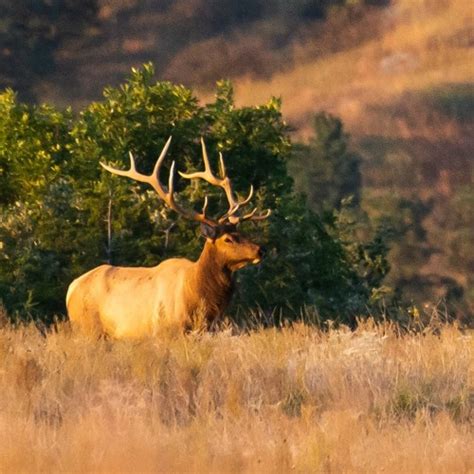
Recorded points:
(222,237)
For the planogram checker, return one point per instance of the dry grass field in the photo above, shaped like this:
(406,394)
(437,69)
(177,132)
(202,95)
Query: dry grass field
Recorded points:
(294,399)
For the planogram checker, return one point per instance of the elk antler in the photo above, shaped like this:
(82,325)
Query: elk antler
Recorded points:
(225,183)
(207,175)
(154,181)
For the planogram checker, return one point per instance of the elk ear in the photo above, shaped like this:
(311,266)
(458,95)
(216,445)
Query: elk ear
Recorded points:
(209,231)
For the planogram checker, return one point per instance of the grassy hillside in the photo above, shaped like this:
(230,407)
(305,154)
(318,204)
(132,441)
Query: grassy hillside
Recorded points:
(196,42)
(422,46)
(294,399)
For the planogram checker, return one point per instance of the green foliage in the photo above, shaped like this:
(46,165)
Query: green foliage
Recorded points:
(32,147)
(404,217)
(413,193)
(32,153)
(56,199)
(457,240)
(319,262)
(325,170)
(455,101)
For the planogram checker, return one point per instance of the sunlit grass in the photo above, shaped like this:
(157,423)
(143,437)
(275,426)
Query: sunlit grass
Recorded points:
(271,400)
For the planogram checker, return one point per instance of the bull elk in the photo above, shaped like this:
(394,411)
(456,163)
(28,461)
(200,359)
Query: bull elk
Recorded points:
(134,302)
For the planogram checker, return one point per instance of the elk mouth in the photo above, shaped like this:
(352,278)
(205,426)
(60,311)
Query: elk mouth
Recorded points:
(260,254)
(244,263)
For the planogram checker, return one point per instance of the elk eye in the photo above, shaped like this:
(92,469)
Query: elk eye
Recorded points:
(228,240)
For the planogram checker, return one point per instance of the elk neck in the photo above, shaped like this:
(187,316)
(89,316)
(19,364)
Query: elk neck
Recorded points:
(213,279)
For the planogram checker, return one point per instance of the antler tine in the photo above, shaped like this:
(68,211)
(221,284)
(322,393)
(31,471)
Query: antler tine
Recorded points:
(132,162)
(223,182)
(207,174)
(248,198)
(126,173)
(154,181)
(250,217)
(207,165)
(204,207)
(161,158)
(233,204)
(224,175)
(222,165)
(171,179)
(261,217)
(237,206)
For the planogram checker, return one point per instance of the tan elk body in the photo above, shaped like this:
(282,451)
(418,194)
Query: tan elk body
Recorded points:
(134,302)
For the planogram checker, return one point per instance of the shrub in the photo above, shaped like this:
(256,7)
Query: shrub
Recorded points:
(56,199)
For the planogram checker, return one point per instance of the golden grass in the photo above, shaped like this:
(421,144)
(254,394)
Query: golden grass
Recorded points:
(290,400)
(425,45)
